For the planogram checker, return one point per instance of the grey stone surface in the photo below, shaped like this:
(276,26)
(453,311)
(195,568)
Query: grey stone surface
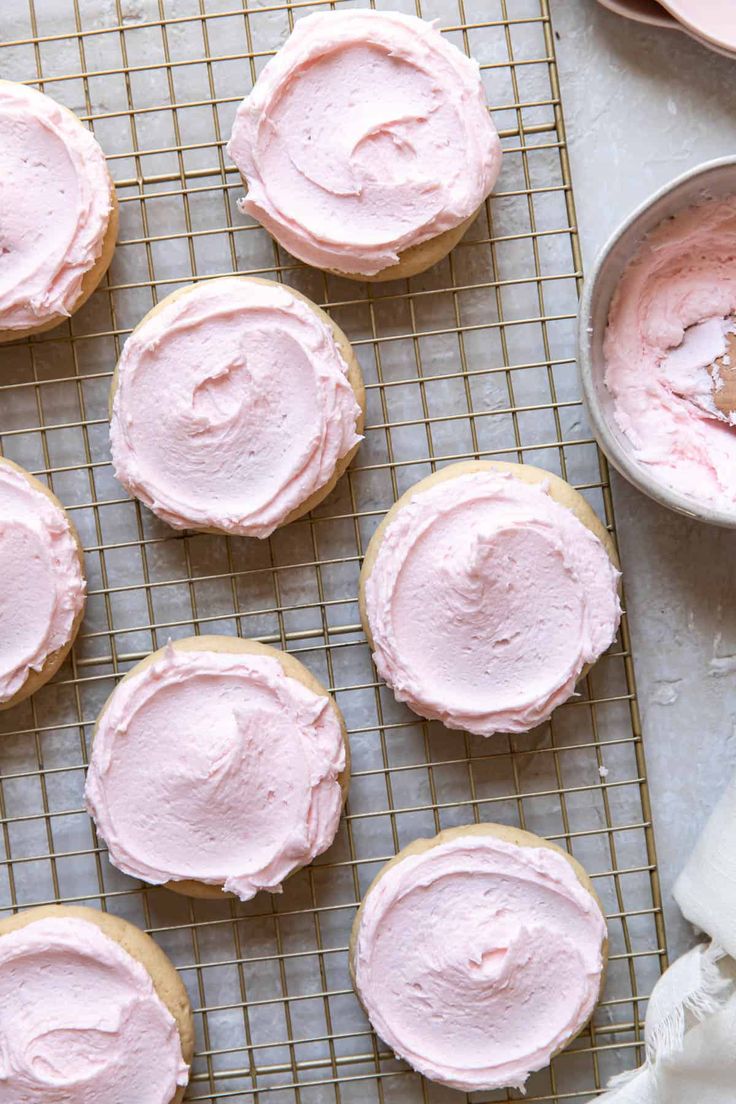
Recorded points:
(642,106)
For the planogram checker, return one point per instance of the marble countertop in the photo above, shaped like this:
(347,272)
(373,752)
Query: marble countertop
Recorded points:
(642,106)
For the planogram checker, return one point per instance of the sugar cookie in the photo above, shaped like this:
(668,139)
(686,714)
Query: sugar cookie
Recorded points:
(218,763)
(89,1001)
(390,190)
(479,955)
(237,404)
(59,212)
(42,585)
(485,593)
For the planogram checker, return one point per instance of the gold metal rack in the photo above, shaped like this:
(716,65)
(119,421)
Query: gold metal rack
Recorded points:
(473,359)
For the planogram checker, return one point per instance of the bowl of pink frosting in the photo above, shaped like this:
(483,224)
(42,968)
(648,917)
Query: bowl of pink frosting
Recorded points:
(655,317)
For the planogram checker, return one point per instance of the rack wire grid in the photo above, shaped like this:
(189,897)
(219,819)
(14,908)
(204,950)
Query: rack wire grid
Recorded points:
(473,359)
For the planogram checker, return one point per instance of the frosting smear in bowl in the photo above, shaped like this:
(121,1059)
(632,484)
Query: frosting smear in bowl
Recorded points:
(668,323)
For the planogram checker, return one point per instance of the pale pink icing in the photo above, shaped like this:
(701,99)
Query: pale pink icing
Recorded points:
(232,408)
(366,134)
(55,203)
(486,600)
(41,583)
(667,322)
(216,766)
(80,1020)
(478,959)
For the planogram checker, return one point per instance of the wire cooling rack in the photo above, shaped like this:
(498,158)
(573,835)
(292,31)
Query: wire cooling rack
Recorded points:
(472,359)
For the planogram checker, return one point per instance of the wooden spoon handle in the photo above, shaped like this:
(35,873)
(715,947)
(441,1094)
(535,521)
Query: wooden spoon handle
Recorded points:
(724,396)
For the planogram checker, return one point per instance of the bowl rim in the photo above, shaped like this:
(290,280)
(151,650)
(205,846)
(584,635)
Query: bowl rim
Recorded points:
(636,473)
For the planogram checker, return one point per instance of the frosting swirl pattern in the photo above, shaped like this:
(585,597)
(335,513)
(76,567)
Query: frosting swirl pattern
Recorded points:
(216,767)
(477,960)
(414,153)
(485,601)
(56,201)
(79,1016)
(41,582)
(667,324)
(232,407)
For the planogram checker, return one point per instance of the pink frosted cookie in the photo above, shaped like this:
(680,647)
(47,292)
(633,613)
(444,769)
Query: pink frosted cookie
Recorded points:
(237,404)
(217,764)
(42,586)
(58,212)
(91,1010)
(366,144)
(479,955)
(486,592)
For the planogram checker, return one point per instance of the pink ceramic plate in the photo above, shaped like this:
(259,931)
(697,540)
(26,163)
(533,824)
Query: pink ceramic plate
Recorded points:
(643,11)
(712,23)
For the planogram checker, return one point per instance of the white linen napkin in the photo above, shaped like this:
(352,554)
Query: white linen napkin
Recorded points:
(690,1029)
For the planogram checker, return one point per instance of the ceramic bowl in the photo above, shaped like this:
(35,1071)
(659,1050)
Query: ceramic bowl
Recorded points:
(714,179)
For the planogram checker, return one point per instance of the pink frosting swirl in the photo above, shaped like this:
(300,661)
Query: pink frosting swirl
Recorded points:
(366,134)
(79,1015)
(55,200)
(216,766)
(232,407)
(41,582)
(668,320)
(486,600)
(476,960)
